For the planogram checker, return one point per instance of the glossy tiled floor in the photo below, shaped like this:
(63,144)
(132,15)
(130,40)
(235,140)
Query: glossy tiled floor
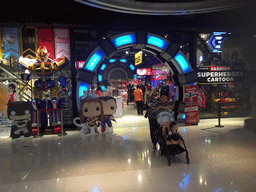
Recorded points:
(221,159)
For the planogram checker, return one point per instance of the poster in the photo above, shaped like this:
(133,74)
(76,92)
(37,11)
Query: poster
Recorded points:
(11,42)
(191,104)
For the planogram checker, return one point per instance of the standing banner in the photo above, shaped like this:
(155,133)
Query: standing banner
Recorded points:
(45,39)
(62,43)
(11,42)
(29,43)
(191,104)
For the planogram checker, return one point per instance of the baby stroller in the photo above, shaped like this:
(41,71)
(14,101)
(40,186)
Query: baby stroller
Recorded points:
(171,150)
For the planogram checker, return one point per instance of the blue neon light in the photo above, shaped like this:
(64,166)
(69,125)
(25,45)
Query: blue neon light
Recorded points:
(103,67)
(132,67)
(94,60)
(182,62)
(111,60)
(123,40)
(82,87)
(103,87)
(135,76)
(100,78)
(123,60)
(183,116)
(157,42)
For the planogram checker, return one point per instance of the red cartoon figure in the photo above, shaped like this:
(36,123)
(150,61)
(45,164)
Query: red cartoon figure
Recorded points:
(89,113)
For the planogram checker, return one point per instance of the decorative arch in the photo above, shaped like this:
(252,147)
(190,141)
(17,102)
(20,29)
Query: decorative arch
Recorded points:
(167,51)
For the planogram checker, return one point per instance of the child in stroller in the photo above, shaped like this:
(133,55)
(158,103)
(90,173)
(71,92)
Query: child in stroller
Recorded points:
(170,142)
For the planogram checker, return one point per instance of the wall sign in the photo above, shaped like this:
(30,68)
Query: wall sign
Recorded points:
(144,71)
(138,58)
(220,74)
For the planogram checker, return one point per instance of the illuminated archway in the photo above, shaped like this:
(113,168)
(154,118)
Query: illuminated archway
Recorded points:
(165,50)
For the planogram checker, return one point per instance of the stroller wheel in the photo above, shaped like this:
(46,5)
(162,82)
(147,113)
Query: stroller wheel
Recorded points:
(169,161)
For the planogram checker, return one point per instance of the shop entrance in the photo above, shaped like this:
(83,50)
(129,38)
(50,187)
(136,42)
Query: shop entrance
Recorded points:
(166,51)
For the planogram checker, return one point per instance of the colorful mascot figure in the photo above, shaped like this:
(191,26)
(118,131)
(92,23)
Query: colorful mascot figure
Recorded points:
(96,111)
(44,67)
(20,113)
(90,112)
(108,109)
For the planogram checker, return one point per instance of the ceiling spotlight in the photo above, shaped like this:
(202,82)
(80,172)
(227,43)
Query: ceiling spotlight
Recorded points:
(127,52)
(104,38)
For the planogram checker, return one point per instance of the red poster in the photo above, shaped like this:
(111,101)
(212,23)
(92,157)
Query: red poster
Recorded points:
(45,39)
(191,104)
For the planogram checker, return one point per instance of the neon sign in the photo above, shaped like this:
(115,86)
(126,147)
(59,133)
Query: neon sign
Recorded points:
(182,62)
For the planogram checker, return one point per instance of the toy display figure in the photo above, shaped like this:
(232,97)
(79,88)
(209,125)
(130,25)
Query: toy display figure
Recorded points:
(89,113)
(44,67)
(96,111)
(20,113)
(109,108)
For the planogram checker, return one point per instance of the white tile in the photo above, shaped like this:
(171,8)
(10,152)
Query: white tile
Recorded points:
(108,180)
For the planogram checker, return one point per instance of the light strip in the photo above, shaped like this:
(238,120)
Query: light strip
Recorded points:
(100,78)
(132,67)
(123,40)
(157,42)
(182,62)
(103,67)
(94,60)
(82,87)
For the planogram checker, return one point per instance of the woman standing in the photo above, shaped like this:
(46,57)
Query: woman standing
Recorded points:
(157,104)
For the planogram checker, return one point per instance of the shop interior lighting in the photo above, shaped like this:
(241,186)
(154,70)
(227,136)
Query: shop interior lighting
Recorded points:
(123,60)
(94,60)
(157,42)
(182,62)
(132,67)
(111,60)
(123,40)
(100,78)
(103,67)
(83,87)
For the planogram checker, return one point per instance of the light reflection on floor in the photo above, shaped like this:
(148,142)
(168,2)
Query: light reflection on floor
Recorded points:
(221,159)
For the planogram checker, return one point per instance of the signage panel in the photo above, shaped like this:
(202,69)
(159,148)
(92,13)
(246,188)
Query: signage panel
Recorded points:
(138,58)
(220,74)
(191,104)
(144,71)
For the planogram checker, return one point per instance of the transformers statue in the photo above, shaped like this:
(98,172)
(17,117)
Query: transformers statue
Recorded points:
(44,67)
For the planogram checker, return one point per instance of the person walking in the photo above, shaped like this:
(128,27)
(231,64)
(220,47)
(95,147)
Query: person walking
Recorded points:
(158,103)
(138,96)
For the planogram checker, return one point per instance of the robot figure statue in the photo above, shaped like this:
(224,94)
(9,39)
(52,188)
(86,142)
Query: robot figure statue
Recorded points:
(44,67)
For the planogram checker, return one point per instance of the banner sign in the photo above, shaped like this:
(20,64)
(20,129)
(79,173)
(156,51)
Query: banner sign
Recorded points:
(11,42)
(220,74)
(45,39)
(138,58)
(62,43)
(29,43)
(191,104)
(144,71)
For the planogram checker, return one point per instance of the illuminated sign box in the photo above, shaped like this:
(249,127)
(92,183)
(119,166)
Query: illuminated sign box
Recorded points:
(144,71)
(157,42)
(138,58)
(124,40)
(220,74)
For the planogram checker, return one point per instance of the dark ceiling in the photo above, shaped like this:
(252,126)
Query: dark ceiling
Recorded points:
(238,21)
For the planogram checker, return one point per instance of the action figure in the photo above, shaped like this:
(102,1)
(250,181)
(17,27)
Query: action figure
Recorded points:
(44,67)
